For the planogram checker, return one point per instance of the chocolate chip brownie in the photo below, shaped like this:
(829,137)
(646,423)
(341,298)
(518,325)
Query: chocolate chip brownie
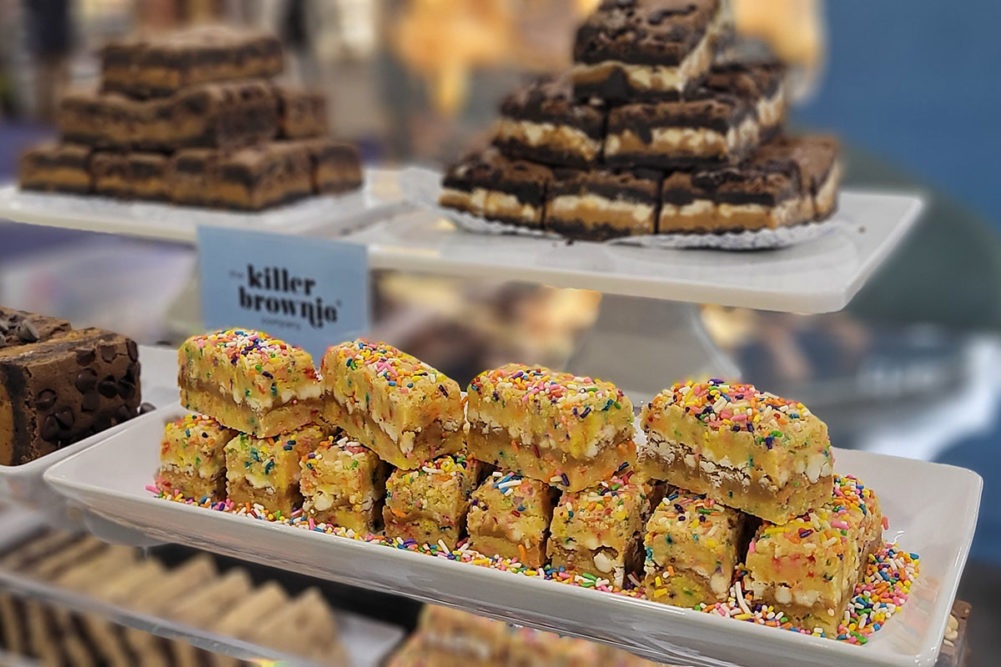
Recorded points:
(57,391)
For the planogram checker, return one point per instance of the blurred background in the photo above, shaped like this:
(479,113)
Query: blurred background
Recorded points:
(912,367)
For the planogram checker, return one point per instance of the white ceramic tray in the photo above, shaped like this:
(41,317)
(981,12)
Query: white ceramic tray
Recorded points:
(367,642)
(821,275)
(335,214)
(932,510)
(23,484)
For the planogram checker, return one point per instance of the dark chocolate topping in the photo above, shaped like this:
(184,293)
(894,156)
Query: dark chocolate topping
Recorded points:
(720,112)
(490,170)
(750,81)
(551,100)
(647,32)
(640,185)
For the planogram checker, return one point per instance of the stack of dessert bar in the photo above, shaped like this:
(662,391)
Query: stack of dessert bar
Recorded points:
(193,593)
(59,385)
(653,131)
(194,118)
(453,638)
(534,467)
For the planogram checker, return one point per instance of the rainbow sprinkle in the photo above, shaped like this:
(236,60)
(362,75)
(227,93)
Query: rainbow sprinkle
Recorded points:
(885,588)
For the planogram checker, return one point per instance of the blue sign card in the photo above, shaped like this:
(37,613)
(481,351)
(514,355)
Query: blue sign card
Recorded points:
(307,291)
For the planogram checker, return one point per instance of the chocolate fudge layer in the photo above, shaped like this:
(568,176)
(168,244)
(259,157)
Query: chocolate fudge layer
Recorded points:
(227,115)
(719,129)
(213,115)
(542,122)
(489,185)
(190,174)
(646,49)
(18,327)
(786,182)
(158,65)
(603,204)
(256,178)
(130,175)
(762,85)
(56,167)
(301,113)
(815,157)
(335,166)
(58,391)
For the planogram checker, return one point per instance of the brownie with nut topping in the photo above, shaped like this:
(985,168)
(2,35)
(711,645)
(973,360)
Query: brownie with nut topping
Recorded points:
(58,391)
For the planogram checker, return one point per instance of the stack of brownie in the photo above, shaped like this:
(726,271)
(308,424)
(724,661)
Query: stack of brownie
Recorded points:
(653,131)
(59,385)
(193,118)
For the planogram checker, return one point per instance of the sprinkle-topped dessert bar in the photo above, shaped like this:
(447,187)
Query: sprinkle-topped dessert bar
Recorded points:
(248,381)
(693,545)
(745,448)
(510,516)
(599,531)
(403,409)
(429,505)
(809,567)
(343,483)
(265,471)
(570,431)
(193,458)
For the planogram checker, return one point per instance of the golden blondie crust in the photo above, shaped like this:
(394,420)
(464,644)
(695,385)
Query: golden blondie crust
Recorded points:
(599,531)
(693,545)
(192,457)
(569,431)
(403,409)
(248,381)
(343,483)
(748,449)
(809,567)
(430,504)
(265,471)
(509,517)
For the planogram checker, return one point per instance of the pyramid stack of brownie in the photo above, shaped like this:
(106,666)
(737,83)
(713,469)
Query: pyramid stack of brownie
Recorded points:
(653,131)
(193,118)
(59,385)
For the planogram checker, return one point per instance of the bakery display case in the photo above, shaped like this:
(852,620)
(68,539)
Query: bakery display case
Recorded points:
(623,417)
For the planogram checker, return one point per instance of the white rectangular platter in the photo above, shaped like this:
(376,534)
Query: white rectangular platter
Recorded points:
(366,642)
(816,276)
(23,483)
(932,510)
(335,214)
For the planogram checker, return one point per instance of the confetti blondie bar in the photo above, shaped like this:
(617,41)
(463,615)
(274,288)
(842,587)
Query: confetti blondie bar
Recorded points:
(744,448)
(509,517)
(343,483)
(193,458)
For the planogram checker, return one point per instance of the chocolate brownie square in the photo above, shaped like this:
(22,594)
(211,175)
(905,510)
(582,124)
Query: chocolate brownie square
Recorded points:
(302,113)
(160,65)
(760,84)
(190,175)
(647,49)
(130,175)
(228,116)
(815,159)
(61,390)
(56,167)
(720,128)
(256,178)
(542,122)
(603,204)
(335,166)
(489,185)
